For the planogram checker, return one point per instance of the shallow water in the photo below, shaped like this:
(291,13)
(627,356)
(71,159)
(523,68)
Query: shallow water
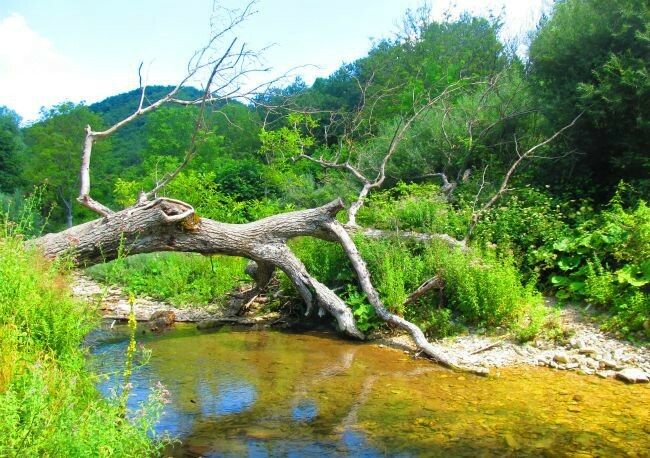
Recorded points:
(263,394)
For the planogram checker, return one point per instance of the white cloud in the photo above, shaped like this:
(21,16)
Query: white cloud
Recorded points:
(33,73)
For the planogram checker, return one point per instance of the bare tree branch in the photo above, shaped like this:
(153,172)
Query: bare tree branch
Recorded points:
(476,216)
(191,152)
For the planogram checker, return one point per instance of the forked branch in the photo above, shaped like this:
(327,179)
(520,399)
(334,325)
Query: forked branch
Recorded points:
(228,68)
(476,216)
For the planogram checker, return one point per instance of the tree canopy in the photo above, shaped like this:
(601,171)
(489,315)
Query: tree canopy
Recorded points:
(593,56)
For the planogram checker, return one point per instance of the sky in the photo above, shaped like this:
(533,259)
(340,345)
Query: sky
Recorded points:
(86,50)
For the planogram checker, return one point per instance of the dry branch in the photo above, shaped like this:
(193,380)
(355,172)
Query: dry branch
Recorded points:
(435,282)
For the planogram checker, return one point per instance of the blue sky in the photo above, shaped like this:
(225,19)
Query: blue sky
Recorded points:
(57,50)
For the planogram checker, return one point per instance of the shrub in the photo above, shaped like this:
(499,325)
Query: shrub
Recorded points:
(480,288)
(605,261)
(413,207)
(526,224)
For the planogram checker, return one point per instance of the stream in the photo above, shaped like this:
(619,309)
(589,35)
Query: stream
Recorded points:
(267,393)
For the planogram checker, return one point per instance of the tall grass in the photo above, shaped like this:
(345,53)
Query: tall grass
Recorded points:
(182,279)
(49,405)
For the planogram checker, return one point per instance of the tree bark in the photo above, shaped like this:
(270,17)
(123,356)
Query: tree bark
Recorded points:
(169,225)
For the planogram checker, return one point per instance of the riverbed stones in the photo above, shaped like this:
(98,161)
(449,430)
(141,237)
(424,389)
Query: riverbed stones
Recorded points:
(561,358)
(605,374)
(576,343)
(161,320)
(587,351)
(610,364)
(632,375)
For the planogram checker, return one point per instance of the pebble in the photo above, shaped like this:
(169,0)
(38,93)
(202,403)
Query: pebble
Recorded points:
(586,351)
(605,374)
(561,358)
(610,364)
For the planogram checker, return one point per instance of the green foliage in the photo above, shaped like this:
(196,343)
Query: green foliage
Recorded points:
(479,287)
(471,130)
(128,143)
(242,179)
(21,215)
(199,189)
(425,57)
(53,156)
(412,207)
(49,405)
(526,223)
(604,261)
(180,278)
(592,55)
(364,313)
(11,146)
(291,140)
(326,261)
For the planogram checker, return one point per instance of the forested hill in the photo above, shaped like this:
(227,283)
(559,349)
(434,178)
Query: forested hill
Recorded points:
(118,107)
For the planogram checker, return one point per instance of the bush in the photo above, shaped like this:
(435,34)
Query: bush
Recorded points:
(526,224)
(413,207)
(480,288)
(605,261)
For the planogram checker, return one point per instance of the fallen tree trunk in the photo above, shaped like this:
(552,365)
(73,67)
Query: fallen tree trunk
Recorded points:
(171,225)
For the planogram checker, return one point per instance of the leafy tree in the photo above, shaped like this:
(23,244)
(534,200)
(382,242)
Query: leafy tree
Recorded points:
(593,56)
(11,144)
(478,129)
(238,126)
(53,153)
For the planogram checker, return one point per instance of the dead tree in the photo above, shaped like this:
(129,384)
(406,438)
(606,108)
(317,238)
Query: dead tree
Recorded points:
(359,131)
(156,224)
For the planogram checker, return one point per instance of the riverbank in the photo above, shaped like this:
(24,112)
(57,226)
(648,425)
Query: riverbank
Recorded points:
(588,351)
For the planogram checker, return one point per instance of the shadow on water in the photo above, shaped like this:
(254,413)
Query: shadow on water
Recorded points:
(262,394)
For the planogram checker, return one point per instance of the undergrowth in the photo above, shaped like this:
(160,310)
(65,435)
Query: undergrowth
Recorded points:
(49,405)
(181,279)
(480,287)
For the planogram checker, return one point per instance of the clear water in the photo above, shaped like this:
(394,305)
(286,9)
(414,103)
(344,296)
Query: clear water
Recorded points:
(277,394)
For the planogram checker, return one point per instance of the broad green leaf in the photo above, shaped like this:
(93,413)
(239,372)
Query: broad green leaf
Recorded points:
(562,245)
(560,280)
(577,286)
(633,275)
(568,262)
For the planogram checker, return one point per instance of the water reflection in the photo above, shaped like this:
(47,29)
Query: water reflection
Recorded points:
(225,396)
(273,394)
(305,411)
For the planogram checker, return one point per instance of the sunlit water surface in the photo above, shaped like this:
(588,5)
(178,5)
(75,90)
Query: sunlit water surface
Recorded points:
(277,394)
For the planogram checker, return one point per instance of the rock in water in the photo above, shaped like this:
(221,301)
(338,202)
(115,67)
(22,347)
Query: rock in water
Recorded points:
(161,320)
(632,375)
